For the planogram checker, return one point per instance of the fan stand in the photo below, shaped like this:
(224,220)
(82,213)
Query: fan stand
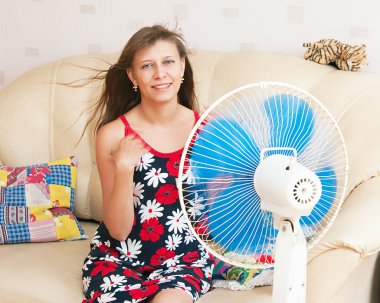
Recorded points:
(289,281)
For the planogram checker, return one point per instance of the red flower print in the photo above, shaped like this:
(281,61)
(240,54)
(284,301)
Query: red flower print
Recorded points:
(201,228)
(151,230)
(109,250)
(105,267)
(173,166)
(191,257)
(146,290)
(37,174)
(131,273)
(167,194)
(196,270)
(194,281)
(266,259)
(145,268)
(161,256)
(186,165)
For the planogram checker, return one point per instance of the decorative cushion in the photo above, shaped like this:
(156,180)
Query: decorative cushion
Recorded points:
(238,278)
(36,202)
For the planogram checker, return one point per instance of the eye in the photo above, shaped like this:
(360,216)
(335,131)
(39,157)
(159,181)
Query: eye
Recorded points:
(147,66)
(169,61)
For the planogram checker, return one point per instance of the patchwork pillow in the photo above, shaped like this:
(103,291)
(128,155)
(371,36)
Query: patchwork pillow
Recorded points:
(36,202)
(238,278)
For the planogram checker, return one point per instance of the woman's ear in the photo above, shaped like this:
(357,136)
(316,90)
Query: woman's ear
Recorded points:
(130,76)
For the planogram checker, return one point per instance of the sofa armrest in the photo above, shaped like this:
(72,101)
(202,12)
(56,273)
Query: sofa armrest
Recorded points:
(357,226)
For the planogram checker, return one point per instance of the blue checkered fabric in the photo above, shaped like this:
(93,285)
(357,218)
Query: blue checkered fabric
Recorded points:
(60,175)
(18,233)
(72,199)
(15,195)
(2,213)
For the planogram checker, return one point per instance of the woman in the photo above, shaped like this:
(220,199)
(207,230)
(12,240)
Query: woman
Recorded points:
(143,250)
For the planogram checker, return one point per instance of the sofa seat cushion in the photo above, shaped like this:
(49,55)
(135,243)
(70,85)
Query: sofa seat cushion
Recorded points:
(38,272)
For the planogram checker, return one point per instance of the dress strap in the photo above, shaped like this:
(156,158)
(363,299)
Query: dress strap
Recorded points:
(127,128)
(196,116)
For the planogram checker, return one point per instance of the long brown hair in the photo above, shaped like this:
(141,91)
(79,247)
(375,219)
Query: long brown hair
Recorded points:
(118,96)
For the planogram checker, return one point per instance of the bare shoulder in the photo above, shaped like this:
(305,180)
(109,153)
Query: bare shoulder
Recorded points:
(109,135)
(187,116)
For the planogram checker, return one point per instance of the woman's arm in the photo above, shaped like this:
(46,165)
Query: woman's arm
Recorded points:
(116,158)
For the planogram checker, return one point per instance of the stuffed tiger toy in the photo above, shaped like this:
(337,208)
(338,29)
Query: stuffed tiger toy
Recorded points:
(341,55)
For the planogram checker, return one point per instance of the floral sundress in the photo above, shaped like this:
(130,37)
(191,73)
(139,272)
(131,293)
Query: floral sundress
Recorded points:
(160,252)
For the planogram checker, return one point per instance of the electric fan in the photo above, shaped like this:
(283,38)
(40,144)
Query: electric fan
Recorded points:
(261,179)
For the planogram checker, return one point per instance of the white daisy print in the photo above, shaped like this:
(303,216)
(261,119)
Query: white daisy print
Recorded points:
(183,286)
(105,298)
(199,262)
(155,177)
(130,249)
(86,283)
(195,210)
(208,271)
(205,287)
(88,262)
(138,193)
(166,279)
(95,240)
(174,268)
(127,288)
(145,161)
(157,274)
(189,237)
(150,210)
(112,281)
(172,262)
(188,177)
(173,241)
(177,222)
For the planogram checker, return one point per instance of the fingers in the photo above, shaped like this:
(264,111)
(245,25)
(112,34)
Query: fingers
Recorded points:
(139,141)
(129,151)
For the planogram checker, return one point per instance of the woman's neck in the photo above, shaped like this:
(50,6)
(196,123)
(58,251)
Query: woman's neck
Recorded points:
(159,113)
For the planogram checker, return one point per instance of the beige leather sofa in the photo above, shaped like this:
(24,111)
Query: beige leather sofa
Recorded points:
(41,120)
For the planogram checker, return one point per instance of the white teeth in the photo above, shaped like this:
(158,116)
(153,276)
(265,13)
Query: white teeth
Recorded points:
(162,86)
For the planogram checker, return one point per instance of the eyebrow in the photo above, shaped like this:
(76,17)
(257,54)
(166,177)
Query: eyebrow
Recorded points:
(149,60)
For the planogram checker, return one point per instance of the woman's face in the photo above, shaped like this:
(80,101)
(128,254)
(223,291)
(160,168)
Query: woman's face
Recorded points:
(157,71)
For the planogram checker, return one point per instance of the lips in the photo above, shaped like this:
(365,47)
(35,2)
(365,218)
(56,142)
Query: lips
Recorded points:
(162,86)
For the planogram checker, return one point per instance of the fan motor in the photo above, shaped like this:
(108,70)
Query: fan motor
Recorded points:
(305,191)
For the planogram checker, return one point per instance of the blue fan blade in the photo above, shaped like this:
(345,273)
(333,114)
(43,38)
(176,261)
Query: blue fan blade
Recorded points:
(291,122)
(223,146)
(236,221)
(328,179)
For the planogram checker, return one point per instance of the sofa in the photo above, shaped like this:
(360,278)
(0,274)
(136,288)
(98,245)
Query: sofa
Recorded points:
(43,113)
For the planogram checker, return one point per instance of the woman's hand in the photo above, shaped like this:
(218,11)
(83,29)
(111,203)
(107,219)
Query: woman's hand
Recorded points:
(128,152)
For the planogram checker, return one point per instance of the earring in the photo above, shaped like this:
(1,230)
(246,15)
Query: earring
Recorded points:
(135,88)
(182,79)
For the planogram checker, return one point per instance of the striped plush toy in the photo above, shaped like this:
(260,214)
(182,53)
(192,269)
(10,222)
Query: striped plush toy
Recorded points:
(341,55)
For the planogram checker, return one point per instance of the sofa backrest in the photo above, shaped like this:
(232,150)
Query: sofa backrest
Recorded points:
(41,119)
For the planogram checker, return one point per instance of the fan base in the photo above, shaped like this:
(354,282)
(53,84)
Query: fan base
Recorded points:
(289,281)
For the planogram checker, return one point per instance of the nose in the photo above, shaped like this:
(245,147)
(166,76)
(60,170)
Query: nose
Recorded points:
(159,71)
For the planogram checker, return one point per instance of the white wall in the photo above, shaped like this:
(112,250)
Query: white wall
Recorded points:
(33,32)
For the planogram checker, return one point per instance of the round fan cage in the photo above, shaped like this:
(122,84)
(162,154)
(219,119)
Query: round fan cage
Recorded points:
(218,164)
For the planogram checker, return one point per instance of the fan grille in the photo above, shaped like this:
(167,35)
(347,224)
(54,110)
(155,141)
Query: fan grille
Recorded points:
(218,164)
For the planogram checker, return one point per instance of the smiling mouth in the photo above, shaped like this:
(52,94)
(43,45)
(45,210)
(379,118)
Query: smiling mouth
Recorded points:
(162,86)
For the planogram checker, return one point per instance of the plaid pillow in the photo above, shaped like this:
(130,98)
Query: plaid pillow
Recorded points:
(36,202)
